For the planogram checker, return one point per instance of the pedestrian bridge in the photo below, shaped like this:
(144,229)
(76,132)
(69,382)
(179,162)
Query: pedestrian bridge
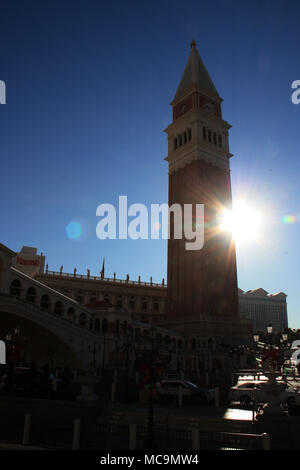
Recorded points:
(61,328)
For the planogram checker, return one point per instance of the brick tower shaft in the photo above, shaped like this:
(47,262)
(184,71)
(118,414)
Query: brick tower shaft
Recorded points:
(200,282)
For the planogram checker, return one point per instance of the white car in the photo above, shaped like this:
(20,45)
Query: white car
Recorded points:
(169,389)
(253,392)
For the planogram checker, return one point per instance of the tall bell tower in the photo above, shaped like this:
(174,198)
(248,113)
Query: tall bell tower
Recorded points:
(200,282)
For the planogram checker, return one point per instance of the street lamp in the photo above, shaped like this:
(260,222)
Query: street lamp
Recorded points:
(104,331)
(150,444)
(285,337)
(256,338)
(284,342)
(270,329)
(94,356)
(128,346)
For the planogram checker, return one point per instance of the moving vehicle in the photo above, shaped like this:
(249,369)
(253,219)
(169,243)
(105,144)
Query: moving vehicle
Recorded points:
(169,389)
(248,393)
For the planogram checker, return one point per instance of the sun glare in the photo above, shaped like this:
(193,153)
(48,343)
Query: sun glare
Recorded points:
(243,222)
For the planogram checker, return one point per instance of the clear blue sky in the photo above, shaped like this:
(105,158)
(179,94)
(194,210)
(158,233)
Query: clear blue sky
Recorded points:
(88,90)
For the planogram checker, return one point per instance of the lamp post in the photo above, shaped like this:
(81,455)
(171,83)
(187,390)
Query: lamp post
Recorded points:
(94,356)
(104,331)
(269,347)
(129,340)
(270,336)
(150,442)
(285,345)
(285,337)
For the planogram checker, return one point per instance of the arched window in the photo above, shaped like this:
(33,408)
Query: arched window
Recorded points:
(145,337)
(82,320)
(119,301)
(132,302)
(209,135)
(167,341)
(184,138)
(71,315)
(180,139)
(215,138)
(45,302)
(144,304)
(175,143)
(156,305)
(124,326)
(15,288)
(93,297)
(137,334)
(97,325)
(31,294)
(58,308)
(104,325)
(189,133)
(204,133)
(159,339)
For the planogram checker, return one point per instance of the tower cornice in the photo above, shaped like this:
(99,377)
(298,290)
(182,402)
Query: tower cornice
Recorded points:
(193,89)
(181,159)
(201,115)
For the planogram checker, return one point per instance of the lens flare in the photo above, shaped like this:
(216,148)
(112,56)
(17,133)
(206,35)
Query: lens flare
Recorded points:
(74,230)
(289,219)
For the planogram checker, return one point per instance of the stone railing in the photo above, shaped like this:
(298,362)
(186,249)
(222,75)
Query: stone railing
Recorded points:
(103,279)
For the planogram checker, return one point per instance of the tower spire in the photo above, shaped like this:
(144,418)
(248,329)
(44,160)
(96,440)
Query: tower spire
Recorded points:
(195,75)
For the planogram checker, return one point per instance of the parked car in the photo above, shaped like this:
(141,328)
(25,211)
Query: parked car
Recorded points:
(251,392)
(169,389)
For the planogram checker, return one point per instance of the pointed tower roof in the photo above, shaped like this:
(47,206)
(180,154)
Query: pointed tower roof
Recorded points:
(196,75)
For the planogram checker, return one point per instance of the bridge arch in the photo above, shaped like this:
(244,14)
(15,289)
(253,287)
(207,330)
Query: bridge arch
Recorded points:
(44,333)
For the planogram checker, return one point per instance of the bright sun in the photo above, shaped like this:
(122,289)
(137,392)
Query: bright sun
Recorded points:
(243,222)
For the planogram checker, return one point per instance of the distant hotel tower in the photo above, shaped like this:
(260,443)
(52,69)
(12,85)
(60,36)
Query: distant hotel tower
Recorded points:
(203,282)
